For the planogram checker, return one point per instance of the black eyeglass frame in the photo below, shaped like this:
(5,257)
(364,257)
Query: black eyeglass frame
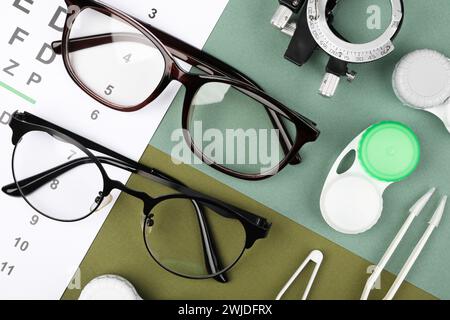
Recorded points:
(255,227)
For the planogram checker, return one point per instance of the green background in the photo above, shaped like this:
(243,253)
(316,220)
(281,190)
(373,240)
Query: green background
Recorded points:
(244,38)
(260,274)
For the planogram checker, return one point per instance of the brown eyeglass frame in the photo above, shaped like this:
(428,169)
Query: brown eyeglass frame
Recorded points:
(216,71)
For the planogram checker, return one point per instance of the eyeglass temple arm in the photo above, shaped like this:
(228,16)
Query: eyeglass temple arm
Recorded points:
(192,56)
(31,184)
(140,169)
(206,63)
(213,263)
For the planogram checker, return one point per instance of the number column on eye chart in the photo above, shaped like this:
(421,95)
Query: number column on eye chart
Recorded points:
(17,246)
(38,256)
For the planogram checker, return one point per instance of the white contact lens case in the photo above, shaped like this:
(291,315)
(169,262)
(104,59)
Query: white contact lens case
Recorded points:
(421,80)
(352,200)
(109,287)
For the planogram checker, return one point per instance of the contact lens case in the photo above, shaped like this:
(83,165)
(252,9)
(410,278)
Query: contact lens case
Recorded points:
(351,201)
(421,80)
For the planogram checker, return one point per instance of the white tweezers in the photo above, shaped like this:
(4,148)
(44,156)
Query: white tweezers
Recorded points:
(315,256)
(414,212)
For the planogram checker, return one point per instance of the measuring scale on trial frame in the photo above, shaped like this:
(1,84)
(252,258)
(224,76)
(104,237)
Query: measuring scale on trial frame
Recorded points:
(314,29)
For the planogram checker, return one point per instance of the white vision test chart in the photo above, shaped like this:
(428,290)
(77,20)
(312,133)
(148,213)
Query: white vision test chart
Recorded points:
(39,257)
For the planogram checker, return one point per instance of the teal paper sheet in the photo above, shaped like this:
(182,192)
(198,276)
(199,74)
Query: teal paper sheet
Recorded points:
(245,39)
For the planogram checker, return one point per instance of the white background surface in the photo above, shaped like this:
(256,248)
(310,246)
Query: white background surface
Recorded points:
(55,249)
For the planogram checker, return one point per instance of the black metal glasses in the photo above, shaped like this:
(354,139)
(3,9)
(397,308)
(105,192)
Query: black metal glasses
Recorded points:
(125,64)
(187,233)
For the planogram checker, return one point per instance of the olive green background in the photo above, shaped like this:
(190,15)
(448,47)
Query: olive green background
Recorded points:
(260,274)
(244,38)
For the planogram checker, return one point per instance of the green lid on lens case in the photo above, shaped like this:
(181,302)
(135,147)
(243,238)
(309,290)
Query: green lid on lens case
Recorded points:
(352,201)
(389,151)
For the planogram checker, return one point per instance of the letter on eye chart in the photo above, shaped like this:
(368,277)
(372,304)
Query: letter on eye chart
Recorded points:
(53,22)
(14,64)
(34,78)
(5,118)
(18,5)
(16,35)
(41,55)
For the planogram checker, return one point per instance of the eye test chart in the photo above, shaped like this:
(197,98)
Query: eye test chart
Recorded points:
(40,257)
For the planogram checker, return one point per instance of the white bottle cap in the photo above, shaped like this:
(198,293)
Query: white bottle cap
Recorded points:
(422,79)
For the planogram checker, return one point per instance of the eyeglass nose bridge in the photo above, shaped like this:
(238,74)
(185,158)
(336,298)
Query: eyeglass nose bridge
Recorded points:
(148,201)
